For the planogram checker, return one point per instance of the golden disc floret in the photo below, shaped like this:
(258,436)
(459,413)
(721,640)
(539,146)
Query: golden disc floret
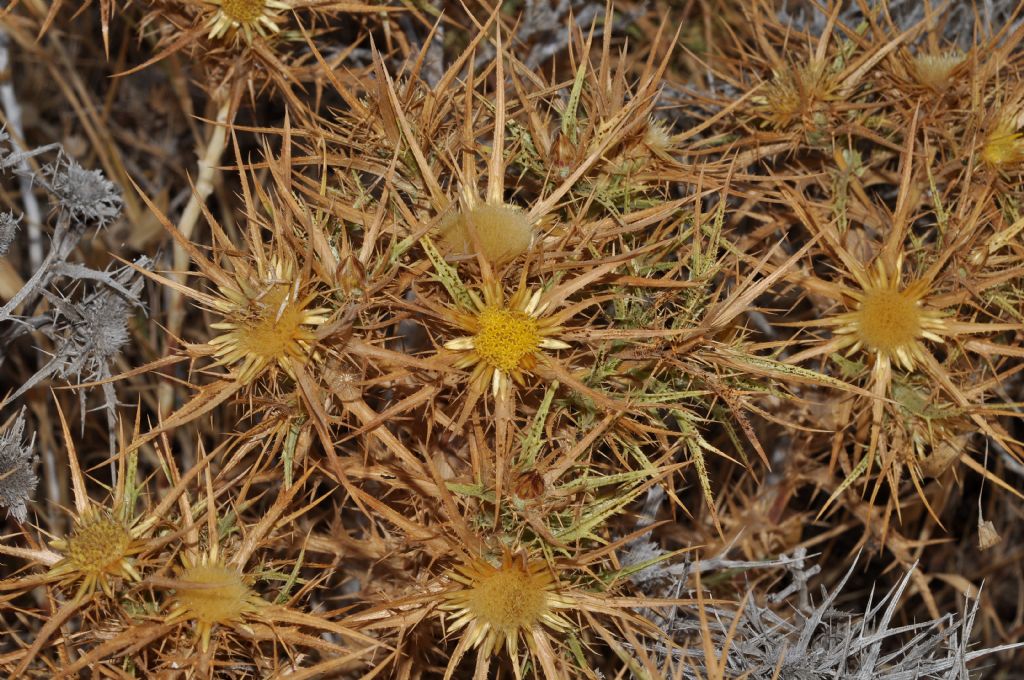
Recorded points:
(1003,146)
(272,327)
(244,18)
(506,336)
(889,319)
(506,339)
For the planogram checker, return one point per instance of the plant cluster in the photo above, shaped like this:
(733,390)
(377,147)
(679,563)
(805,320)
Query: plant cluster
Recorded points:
(443,340)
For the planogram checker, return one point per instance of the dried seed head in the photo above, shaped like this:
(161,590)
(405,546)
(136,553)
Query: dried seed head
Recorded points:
(17,480)
(658,135)
(798,95)
(211,593)
(86,196)
(503,232)
(934,71)
(987,535)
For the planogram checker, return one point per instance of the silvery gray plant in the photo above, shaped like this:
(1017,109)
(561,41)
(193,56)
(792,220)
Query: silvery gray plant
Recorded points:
(787,635)
(84,312)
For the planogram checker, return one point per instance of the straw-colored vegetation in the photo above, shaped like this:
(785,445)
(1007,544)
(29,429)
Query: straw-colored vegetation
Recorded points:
(545,339)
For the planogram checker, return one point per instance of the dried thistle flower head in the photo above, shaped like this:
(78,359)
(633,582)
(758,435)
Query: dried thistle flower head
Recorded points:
(17,480)
(98,549)
(1003,146)
(799,95)
(658,136)
(211,593)
(234,17)
(85,196)
(498,606)
(503,231)
(935,71)
(889,319)
(267,323)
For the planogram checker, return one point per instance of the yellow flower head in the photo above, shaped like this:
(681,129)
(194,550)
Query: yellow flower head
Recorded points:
(1003,146)
(889,319)
(499,605)
(97,550)
(505,339)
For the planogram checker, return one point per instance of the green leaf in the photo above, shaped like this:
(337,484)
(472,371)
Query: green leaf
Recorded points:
(470,490)
(448,276)
(781,369)
(532,440)
(569,118)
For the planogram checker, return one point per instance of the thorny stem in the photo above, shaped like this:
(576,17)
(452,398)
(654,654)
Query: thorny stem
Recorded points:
(64,241)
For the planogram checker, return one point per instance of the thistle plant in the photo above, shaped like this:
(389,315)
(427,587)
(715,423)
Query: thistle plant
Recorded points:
(541,340)
(894,321)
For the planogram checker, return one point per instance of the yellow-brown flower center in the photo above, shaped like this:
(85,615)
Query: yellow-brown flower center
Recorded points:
(274,332)
(243,11)
(888,319)
(213,593)
(98,544)
(510,599)
(505,337)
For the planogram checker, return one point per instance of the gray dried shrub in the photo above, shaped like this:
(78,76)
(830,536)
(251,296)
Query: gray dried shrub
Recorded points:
(804,641)
(962,21)
(17,479)
(90,334)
